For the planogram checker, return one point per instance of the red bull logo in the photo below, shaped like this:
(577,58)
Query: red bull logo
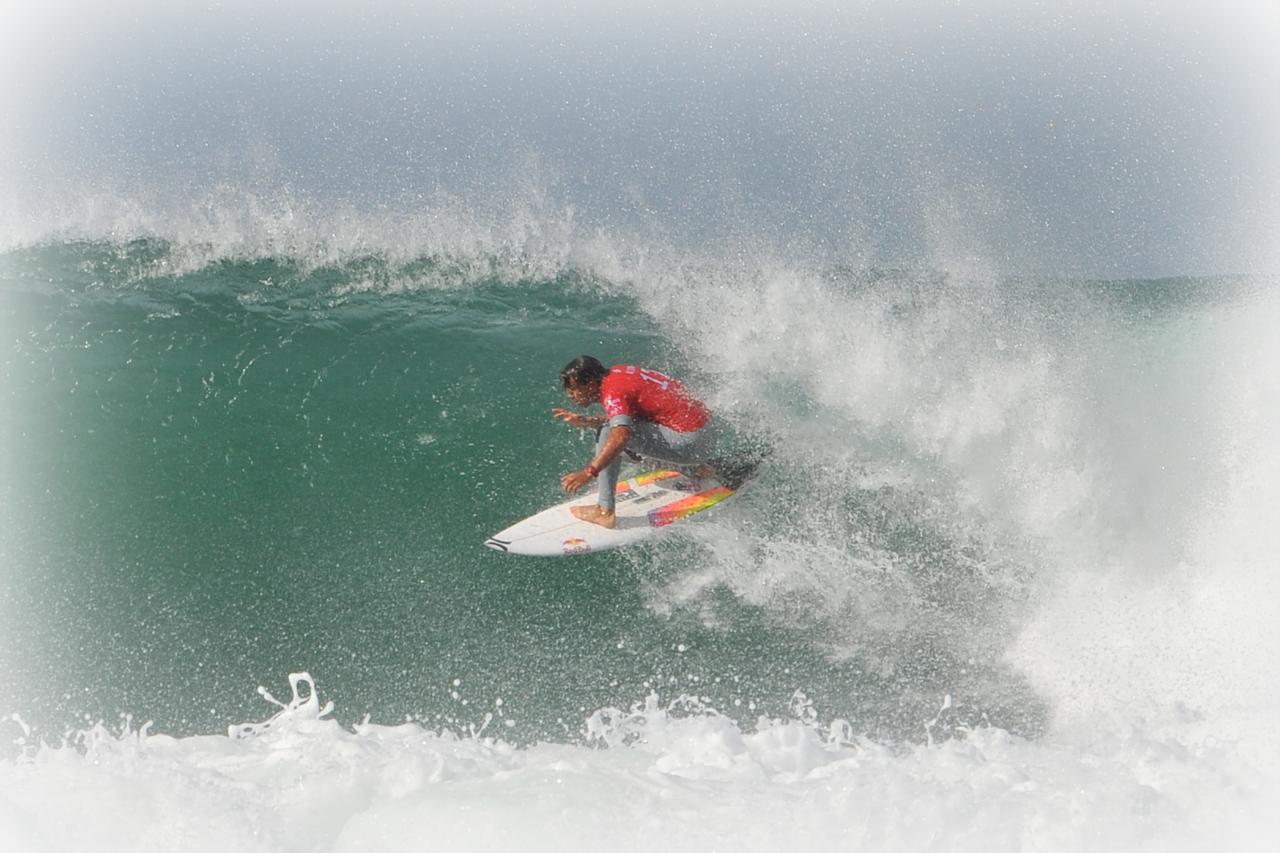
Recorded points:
(574,545)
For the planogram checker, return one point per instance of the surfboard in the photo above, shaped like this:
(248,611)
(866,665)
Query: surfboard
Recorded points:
(646,504)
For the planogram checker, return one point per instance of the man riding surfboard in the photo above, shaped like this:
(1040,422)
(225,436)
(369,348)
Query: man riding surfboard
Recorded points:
(645,412)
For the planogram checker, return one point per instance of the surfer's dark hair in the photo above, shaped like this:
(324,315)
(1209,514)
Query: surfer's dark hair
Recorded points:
(583,370)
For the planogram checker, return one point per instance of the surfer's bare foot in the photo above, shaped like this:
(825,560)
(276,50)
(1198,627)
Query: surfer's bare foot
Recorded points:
(706,472)
(596,515)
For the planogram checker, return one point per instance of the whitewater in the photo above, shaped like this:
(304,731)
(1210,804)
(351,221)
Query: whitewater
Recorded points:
(283,295)
(688,781)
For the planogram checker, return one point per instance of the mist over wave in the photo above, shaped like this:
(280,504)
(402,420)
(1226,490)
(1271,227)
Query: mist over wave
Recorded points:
(1103,139)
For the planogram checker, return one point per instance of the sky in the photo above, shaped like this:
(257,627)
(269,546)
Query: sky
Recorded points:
(1088,138)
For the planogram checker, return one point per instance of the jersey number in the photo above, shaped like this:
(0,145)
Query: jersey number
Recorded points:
(660,379)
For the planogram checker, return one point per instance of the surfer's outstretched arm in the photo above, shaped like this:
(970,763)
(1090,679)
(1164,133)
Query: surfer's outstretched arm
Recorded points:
(572,418)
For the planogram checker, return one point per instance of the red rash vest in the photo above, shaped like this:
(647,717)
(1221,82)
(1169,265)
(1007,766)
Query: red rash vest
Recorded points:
(632,393)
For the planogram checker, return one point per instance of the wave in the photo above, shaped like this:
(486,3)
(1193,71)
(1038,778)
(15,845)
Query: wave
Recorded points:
(1042,505)
(980,477)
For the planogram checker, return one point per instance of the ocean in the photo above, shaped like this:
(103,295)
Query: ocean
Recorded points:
(1011,552)
(1007,580)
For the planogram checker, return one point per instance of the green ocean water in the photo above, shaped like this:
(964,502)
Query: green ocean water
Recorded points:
(223,468)
(218,475)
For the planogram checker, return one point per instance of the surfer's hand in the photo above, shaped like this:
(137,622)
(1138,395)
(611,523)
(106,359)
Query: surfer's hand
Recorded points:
(573,418)
(574,481)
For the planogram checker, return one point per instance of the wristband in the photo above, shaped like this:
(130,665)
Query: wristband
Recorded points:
(593,470)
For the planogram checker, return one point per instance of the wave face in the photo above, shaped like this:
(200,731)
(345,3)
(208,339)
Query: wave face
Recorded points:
(1007,522)
(282,302)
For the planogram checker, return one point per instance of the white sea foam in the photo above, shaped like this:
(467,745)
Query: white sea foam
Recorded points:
(1201,629)
(1110,482)
(675,775)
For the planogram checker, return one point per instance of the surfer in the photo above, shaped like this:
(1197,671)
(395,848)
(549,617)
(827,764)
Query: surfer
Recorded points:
(645,412)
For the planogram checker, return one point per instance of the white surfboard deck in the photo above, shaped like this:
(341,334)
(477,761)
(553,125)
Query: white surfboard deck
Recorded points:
(645,503)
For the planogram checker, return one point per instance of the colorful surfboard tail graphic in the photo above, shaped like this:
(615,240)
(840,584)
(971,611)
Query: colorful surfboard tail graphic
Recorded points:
(682,508)
(645,479)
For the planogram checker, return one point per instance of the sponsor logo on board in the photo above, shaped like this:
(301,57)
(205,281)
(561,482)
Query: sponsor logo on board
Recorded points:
(574,545)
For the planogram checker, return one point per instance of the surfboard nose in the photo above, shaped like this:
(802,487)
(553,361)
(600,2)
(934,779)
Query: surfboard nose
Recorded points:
(497,544)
